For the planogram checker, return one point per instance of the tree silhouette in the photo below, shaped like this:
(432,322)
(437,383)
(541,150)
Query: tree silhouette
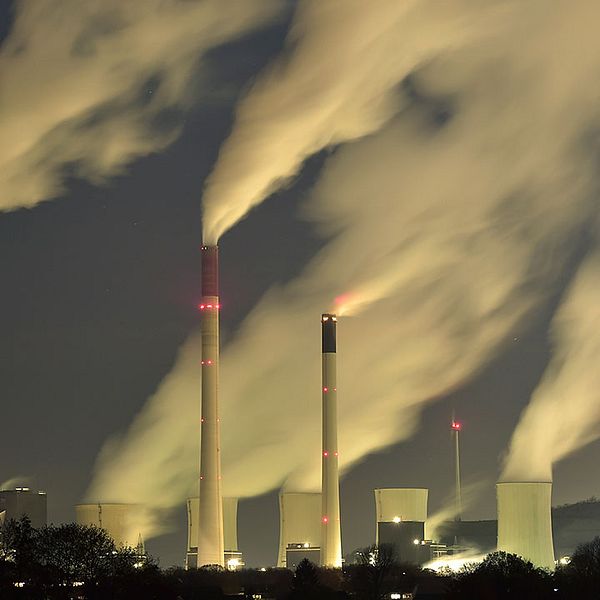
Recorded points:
(369,579)
(581,577)
(502,575)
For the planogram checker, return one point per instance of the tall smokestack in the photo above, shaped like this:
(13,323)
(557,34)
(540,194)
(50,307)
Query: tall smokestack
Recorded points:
(210,511)
(331,537)
(525,521)
(456,427)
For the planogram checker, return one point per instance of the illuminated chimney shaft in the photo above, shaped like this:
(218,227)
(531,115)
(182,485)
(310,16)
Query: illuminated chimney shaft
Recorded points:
(210,516)
(331,539)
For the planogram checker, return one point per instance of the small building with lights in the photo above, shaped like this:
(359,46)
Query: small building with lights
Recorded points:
(24,502)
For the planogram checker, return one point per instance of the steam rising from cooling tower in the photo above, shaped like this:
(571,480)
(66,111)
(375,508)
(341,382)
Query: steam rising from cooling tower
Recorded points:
(112,71)
(455,221)
(564,414)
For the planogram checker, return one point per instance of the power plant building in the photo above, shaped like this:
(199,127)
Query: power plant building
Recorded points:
(23,502)
(117,519)
(299,527)
(525,521)
(232,556)
(401,517)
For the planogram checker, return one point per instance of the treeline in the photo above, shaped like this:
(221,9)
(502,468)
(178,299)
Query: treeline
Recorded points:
(79,562)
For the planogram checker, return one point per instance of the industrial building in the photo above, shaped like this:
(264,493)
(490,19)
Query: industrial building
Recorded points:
(232,556)
(401,516)
(525,521)
(299,526)
(117,519)
(24,502)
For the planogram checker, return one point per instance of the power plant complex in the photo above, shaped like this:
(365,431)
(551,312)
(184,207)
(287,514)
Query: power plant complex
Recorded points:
(310,524)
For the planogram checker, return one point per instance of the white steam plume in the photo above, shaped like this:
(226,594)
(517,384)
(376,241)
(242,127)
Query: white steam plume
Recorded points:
(444,237)
(338,84)
(85,85)
(564,413)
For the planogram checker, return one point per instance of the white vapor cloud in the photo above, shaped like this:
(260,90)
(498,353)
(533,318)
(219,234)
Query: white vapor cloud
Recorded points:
(564,413)
(86,86)
(338,84)
(447,226)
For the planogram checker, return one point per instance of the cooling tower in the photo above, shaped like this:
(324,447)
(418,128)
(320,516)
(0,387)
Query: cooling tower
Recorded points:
(331,535)
(299,522)
(404,504)
(210,515)
(231,550)
(525,521)
(115,519)
(401,515)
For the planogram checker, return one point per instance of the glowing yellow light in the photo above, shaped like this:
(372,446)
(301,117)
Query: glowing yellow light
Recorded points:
(396,519)
(416,542)
(233,564)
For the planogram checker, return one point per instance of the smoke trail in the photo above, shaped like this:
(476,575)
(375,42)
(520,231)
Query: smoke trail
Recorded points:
(564,413)
(9,484)
(340,83)
(92,85)
(450,225)
(435,522)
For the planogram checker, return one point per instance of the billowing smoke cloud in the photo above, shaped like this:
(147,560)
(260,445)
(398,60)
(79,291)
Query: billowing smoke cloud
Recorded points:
(89,86)
(564,413)
(446,228)
(338,84)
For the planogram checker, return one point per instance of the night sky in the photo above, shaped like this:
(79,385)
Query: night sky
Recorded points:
(99,290)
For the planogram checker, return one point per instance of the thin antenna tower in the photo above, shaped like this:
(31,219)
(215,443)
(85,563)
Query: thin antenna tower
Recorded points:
(456,427)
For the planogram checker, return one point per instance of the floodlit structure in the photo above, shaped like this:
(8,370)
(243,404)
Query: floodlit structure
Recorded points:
(456,427)
(210,508)
(401,515)
(331,533)
(525,521)
(115,518)
(299,524)
(23,502)
(232,555)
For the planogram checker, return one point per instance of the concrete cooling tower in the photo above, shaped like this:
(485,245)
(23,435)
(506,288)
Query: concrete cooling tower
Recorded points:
(401,516)
(232,554)
(299,528)
(525,521)
(115,519)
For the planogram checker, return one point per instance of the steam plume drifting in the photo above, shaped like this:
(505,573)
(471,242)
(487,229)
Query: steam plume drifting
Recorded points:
(338,84)
(564,413)
(446,228)
(92,85)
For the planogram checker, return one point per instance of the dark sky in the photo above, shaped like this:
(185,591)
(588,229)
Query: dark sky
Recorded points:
(99,288)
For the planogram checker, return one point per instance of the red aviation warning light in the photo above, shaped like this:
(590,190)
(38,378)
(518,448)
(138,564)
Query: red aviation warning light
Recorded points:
(456,426)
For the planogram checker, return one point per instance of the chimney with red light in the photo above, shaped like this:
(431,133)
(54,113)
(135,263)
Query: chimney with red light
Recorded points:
(331,537)
(210,510)
(456,427)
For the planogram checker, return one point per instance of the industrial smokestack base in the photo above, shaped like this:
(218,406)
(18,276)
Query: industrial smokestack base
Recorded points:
(331,536)
(210,512)
(525,521)
(232,555)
